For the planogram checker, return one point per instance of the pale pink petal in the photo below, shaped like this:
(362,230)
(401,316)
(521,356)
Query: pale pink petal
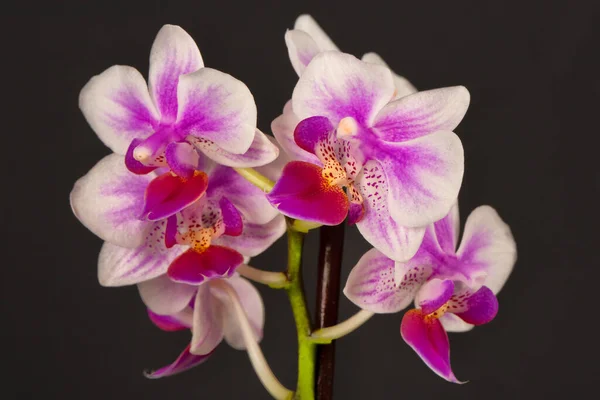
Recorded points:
(174,53)
(337,85)
(308,24)
(377,225)
(217,107)
(118,107)
(301,49)
(164,297)
(452,323)
(109,201)
(207,331)
(256,238)
(283,129)
(488,246)
(447,230)
(403,86)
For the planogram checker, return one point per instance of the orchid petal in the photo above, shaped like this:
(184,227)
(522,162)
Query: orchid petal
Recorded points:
(207,330)
(163,296)
(174,53)
(118,266)
(108,200)
(403,86)
(477,309)
(337,85)
(118,107)
(283,129)
(232,219)
(301,49)
(262,151)
(256,238)
(424,176)
(217,107)
(169,194)
(253,306)
(422,113)
(488,245)
(247,198)
(308,24)
(178,321)
(184,362)
(194,267)
(452,323)
(182,159)
(357,208)
(371,284)
(447,230)
(429,339)
(377,225)
(274,169)
(434,294)
(303,193)
(171,231)
(134,165)
(312,131)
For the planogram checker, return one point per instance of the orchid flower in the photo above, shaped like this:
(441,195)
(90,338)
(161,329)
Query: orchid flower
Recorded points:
(453,289)
(185,108)
(110,201)
(204,309)
(398,160)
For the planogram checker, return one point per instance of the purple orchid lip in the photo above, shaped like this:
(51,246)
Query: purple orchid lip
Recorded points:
(194,267)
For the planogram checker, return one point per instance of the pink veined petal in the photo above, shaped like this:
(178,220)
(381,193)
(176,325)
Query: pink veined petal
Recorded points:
(253,306)
(118,107)
(134,165)
(447,230)
(372,286)
(165,297)
(182,159)
(178,321)
(256,238)
(283,129)
(429,339)
(303,193)
(169,194)
(403,86)
(422,113)
(434,294)
(217,107)
(118,266)
(301,49)
(174,53)
(262,151)
(185,361)
(488,245)
(108,200)
(308,24)
(312,131)
(452,323)
(337,85)
(207,330)
(475,308)
(194,267)
(232,219)
(247,198)
(423,176)
(377,225)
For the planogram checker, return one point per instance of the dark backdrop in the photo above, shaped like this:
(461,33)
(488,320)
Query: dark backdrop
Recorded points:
(530,138)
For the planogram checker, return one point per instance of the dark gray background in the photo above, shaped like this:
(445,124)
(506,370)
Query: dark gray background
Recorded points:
(530,138)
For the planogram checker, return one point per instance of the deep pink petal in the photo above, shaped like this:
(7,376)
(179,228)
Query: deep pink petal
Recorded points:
(311,131)
(434,294)
(232,219)
(182,158)
(171,232)
(303,193)
(194,268)
(134,165)
(172,323)
(480,308)
(429,339)
(168,194)
(184,362)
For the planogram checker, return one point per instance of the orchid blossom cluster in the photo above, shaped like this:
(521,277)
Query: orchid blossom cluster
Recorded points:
(194,189)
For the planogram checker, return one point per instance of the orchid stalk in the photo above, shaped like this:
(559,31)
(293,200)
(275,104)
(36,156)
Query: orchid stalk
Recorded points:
(194,190)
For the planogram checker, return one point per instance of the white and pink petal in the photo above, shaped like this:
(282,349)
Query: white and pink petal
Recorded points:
(207,330)
(165,297)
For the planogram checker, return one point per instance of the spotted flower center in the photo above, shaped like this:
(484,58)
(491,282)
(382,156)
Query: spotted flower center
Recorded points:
(439,312)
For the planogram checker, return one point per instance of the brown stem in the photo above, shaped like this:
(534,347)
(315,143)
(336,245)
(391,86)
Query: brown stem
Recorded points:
(328,292)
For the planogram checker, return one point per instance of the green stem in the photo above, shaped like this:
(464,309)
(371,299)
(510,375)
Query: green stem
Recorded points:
(306,348)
